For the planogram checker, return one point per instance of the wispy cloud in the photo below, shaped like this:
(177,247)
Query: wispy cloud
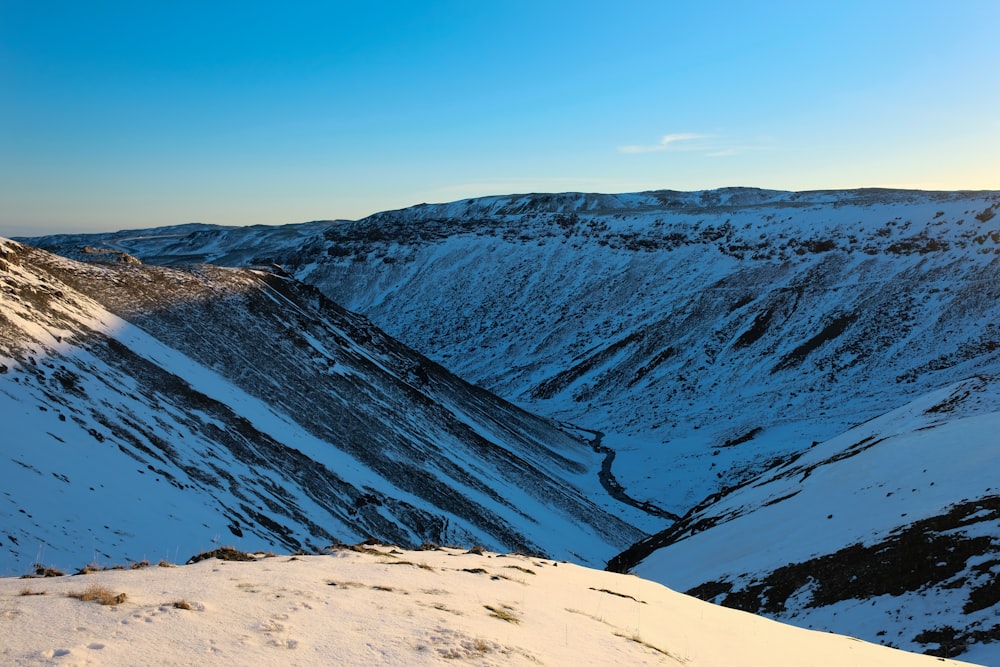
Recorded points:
(666,143)
(725,152)
(709,145)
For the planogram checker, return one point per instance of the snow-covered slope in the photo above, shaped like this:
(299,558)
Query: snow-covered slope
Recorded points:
(890,531)
(197,243)
(683,325)
(148,411)
(382,606)
(712,338)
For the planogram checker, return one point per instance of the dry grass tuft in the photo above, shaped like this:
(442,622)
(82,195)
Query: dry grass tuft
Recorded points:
(42,571)
(28,591)
(90,569)
(99,594)
(365,549)
(182,604)
(222,553)
(444,608)
(422,566)
(620,595)
(639,640)
(502,614)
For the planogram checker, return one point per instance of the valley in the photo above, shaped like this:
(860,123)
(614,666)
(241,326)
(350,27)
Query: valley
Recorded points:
(770,374)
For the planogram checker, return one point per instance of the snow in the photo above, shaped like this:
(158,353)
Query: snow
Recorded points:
(497,291)
(841,504)
(382,605)
(121,458)
(858,488)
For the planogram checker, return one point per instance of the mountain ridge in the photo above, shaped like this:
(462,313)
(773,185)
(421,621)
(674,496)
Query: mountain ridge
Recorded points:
(275,408)
(715,338)
(648,317)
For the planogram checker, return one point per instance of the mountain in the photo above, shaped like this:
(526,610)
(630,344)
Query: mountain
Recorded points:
(725,347)
(381,605)
(708,334)
(149,411)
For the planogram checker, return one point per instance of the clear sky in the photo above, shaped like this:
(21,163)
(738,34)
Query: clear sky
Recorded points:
(132,114)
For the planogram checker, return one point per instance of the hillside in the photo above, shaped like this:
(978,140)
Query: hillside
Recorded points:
(149,411)
(683,325)
(888,531)
(381,605)
(723,348)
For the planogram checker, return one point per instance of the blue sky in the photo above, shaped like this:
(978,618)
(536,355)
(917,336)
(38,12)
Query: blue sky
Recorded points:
(132,114)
